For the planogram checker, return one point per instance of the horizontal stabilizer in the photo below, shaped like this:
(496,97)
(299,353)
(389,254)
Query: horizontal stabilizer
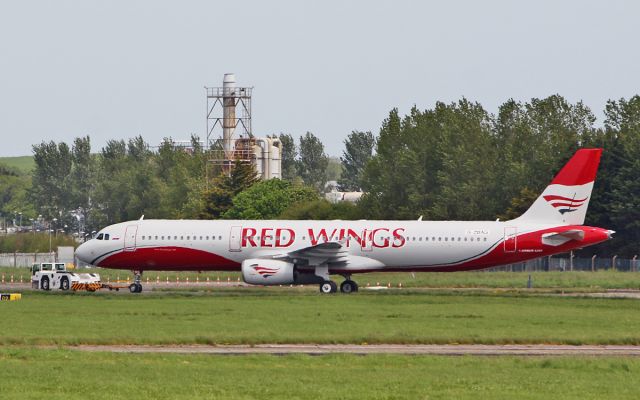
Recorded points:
(559,238)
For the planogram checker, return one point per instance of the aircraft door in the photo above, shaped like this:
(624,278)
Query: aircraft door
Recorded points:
(130,238)
(235,236)
(510,239)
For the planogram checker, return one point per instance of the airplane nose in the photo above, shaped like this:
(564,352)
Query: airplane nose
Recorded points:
(82,253)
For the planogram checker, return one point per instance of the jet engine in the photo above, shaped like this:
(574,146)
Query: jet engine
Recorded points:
(256,271)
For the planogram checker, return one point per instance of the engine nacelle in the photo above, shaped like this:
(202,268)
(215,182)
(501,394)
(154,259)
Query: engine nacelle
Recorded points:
(256,271)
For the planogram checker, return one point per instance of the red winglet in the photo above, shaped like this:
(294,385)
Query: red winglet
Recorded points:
(580,169)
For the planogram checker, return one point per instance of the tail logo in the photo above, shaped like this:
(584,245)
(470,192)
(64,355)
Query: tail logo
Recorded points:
(265,272)
(565,204)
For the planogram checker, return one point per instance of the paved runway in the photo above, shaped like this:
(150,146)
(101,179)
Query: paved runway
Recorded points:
(449,350)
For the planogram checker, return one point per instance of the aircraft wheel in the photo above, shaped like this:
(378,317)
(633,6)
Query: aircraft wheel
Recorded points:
(328,287)
(348,286)
(133,288)
(139,288)
(64,284)
(44,283)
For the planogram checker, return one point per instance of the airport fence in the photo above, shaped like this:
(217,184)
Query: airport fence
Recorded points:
(570,263)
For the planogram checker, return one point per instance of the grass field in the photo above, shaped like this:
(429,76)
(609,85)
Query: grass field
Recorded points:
(293,315)
(75,375)
(249,316)
(22,163)
(543,280)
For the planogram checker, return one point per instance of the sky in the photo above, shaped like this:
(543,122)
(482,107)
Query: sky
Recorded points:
(118,69)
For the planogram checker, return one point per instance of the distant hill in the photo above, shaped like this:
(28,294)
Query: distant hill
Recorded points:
(22,163)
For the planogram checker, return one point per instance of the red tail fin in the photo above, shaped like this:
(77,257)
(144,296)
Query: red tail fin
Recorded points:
(580,169)
(567,197)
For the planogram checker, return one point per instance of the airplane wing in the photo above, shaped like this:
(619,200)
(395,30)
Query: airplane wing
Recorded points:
(323,253)
(559,238)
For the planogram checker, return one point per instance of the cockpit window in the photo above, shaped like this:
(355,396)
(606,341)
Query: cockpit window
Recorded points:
(100,236)
(106,236)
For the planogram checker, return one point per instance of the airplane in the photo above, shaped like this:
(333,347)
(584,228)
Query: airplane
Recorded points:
(282,252)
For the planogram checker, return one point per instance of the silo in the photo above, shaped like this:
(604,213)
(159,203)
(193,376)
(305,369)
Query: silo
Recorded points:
(275,158)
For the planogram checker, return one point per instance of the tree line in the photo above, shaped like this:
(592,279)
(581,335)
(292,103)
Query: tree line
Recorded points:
(454,161)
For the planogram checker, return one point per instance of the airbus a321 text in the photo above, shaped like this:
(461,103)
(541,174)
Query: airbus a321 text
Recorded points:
(308,252)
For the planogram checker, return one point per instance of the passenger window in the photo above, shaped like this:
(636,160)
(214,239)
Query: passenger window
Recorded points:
(142,237)
(485,239)
(420,239)
(446,239)
(207,238)
(188,237)
(181,237)
(433,238)
(219,237)
(439,239)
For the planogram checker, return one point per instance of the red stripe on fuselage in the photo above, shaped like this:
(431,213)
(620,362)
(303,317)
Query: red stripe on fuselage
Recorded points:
(169,259)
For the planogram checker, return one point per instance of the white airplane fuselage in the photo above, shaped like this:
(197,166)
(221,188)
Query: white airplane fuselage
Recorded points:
(371,245)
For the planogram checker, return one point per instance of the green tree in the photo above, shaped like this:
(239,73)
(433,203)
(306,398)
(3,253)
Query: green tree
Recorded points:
(288,157)
(312,165)
(128,185)
(321,209)
(111,194)
(268,199)
(358,151)
(219,197)
(623,121)
(435,163)
(50,189)
(82,177)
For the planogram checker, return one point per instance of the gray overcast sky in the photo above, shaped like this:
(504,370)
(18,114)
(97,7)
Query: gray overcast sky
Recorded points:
(115,69)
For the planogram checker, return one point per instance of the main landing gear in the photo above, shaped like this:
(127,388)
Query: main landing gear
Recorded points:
(328,286)
(136,286)
(348,286)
